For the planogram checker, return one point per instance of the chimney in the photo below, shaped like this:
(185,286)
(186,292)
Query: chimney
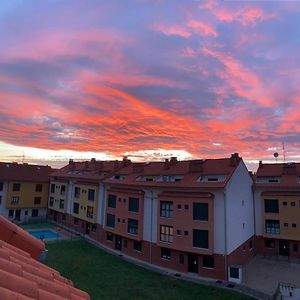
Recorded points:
(167,164)
(71,164)
(173,160)
(126,161)
(196,165)
(234,159)
(260,165)
(93,160)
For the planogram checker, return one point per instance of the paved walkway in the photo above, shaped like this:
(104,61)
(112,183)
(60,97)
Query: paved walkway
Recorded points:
(265,273)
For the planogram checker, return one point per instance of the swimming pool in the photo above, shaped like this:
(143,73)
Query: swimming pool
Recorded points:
(45,234)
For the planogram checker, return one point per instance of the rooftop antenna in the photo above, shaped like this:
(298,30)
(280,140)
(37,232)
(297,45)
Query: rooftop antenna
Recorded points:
(283,150)
(23,158)
(276,155)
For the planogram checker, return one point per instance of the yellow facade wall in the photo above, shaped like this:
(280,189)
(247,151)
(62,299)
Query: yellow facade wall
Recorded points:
(27,195)
(56,197)
(84,203)
(287,214)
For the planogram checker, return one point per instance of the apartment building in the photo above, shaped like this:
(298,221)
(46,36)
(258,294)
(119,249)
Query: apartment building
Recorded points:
(24,191)
(191,216)
(76,192)
(277,209)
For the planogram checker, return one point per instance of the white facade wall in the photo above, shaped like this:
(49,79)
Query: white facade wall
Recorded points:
(239,208)
(101,204)
(3,194)
(219,229)
(259,226)
(70,196)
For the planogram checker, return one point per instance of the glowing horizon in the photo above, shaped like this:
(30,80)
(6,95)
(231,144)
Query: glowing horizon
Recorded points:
(149,79)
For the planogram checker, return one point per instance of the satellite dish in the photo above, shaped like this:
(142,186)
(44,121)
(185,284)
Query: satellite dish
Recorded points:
(276,154)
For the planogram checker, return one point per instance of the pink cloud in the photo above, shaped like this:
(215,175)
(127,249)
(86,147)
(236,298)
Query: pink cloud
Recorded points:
(172,30)
(202,28)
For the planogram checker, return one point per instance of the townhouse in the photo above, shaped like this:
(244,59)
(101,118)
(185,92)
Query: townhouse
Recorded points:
(24,191)
(76,192)
(277,209)
(191,216)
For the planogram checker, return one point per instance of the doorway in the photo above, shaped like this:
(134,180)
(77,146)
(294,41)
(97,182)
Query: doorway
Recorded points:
(118,243)
(18,215)
(284,248)
(87,228)
(192,263)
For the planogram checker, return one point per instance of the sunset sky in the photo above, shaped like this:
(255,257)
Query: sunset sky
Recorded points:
(149,79)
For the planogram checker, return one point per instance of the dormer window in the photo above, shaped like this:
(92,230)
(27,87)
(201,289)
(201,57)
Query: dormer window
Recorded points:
(118,177)
(170,178)
(212,178)
(269,179)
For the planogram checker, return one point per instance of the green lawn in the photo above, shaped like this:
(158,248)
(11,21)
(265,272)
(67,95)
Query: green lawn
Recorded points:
(105,276)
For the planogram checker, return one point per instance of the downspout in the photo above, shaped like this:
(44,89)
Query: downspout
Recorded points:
(225,234)
(151,227)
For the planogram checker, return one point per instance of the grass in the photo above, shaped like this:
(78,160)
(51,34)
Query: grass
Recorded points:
(105,276)
(40,225)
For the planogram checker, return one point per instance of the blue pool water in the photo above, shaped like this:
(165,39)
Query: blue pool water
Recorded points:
(45,234)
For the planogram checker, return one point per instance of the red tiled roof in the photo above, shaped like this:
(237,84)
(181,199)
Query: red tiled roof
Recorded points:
(288,174)
(24,172)
(22,277)
(16,236)
(190,171)
(94,170)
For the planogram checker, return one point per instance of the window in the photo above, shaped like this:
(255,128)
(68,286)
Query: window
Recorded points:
(91,195)
(269,243)
(295,247)
(186,206)
(271,206)
(284,203)
(166,234)
(76,208)
(0,199)
(294,225)
(110,220)
(181,259)
(16,187)
(208,262)
(125,243)
(39,188)
(186,232)
(63,217)
(132,226)
(1,186)
(234,272)
(109,236)
(63,190)
(111,201)
(77,192)
(11,213)
(61,203)
(35,213)
(293,203)
(51,201)
(133,204)
(26,212)
(272,227)
(286,224)
(166,209)
(178,232)
(94,228)
(75,221)
(179,206)
(15,200)
(250,245)
(137,246)
(165,253)
(52,188)
(200,211)
(90,212)
(200,238)
(37,200)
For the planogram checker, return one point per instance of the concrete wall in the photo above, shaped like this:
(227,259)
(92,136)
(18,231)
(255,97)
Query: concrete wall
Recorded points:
(239,208)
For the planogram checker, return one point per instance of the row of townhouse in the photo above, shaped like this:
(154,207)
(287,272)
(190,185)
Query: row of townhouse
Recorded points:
(203,216)
(24,191)
(190,216)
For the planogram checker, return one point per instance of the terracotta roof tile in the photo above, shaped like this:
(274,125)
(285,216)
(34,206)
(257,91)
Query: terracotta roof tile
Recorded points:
(22,276)
(24,172)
